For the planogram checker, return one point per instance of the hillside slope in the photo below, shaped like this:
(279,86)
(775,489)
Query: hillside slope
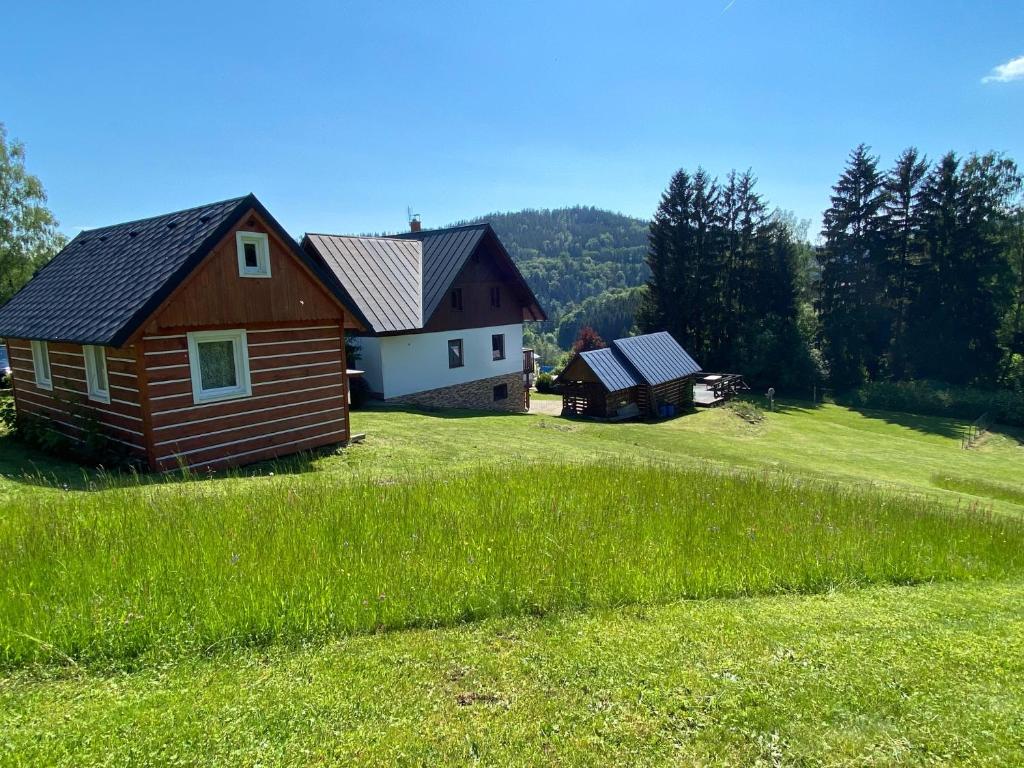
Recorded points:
(571,254)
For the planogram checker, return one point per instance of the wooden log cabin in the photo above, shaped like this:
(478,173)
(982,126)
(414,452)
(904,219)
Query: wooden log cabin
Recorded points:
(204,338)
(634,377)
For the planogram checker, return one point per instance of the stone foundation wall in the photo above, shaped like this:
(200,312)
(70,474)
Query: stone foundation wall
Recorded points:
(476,395)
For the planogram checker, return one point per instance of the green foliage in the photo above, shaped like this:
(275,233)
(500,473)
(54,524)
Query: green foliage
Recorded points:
(936,399)
(545,383)
(28,231)
(570,254)
(612,314)
(746,410)
(294,560)
(94,449)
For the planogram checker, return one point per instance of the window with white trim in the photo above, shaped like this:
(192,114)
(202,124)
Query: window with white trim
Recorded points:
(41,365)
(253,254)
(219,363)
(96,373)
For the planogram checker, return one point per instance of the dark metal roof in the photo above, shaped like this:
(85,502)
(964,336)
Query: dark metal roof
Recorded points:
(657,357)
(379,282)
(380,276)
(445,252)
(106,282)
(611,371)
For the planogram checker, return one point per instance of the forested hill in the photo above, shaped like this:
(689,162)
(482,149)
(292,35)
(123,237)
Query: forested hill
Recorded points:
(570,254)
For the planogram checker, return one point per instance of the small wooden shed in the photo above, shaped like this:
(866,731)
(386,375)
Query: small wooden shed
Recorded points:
(634,376)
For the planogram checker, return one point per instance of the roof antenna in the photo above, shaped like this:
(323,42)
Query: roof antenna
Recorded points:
(413,219)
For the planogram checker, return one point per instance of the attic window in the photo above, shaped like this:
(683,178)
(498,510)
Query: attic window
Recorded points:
(495,296)
(457,299)
(253,254)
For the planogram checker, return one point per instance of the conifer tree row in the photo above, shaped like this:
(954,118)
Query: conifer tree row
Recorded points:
(916,277)
(724,278)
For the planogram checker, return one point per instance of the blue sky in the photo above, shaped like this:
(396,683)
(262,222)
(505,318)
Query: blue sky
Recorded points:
(339,115)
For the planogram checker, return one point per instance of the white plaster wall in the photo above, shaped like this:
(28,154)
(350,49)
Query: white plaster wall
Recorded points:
(369,361)
(419,361)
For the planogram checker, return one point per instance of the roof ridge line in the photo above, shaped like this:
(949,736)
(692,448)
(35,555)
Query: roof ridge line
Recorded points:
(169,213)
(356,237)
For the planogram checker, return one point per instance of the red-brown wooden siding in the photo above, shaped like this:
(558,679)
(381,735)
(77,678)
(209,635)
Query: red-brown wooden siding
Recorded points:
(298,400)
(120,419)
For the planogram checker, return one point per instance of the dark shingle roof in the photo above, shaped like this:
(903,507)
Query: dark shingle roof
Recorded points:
(609,369)
(107,281)
(380,276)
(378,281)
(657,357)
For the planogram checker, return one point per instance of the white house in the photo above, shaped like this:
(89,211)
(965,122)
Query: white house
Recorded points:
(444,312)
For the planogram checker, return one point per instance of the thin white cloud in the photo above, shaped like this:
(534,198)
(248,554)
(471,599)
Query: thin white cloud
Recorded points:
(1005,73)
(730,5)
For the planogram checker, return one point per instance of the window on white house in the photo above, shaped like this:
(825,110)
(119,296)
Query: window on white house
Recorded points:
(219,363)
(96,373)
(455,358)
(498,346)
(253,254)
(41,364)
(457,299)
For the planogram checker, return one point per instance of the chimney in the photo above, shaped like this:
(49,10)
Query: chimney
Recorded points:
(414,223)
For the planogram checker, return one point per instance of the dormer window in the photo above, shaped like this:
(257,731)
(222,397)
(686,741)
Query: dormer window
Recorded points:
(253,254)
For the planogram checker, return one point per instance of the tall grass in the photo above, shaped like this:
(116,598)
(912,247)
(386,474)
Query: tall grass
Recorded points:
(107,576)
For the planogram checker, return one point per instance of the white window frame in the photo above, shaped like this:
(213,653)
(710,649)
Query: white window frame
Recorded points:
(91,378)
(41,355)
(262,243)
(241,350)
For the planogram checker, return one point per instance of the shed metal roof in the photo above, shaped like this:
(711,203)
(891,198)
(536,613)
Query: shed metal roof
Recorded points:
(653,359)
(381,277)
(657,357)
(107,281)
(611,371)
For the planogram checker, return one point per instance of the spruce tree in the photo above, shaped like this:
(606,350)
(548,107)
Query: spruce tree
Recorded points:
(966,275)
(903,251)
(852,323)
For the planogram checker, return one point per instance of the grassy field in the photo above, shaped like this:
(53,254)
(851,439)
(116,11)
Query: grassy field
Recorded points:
(113,575)
(927,675)
(533,581)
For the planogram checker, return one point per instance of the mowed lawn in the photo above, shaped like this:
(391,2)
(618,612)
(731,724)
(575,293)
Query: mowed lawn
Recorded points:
(915,454)
(827,639)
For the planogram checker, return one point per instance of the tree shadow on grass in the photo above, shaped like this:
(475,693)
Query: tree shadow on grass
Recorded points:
(932,425)
(437,413)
